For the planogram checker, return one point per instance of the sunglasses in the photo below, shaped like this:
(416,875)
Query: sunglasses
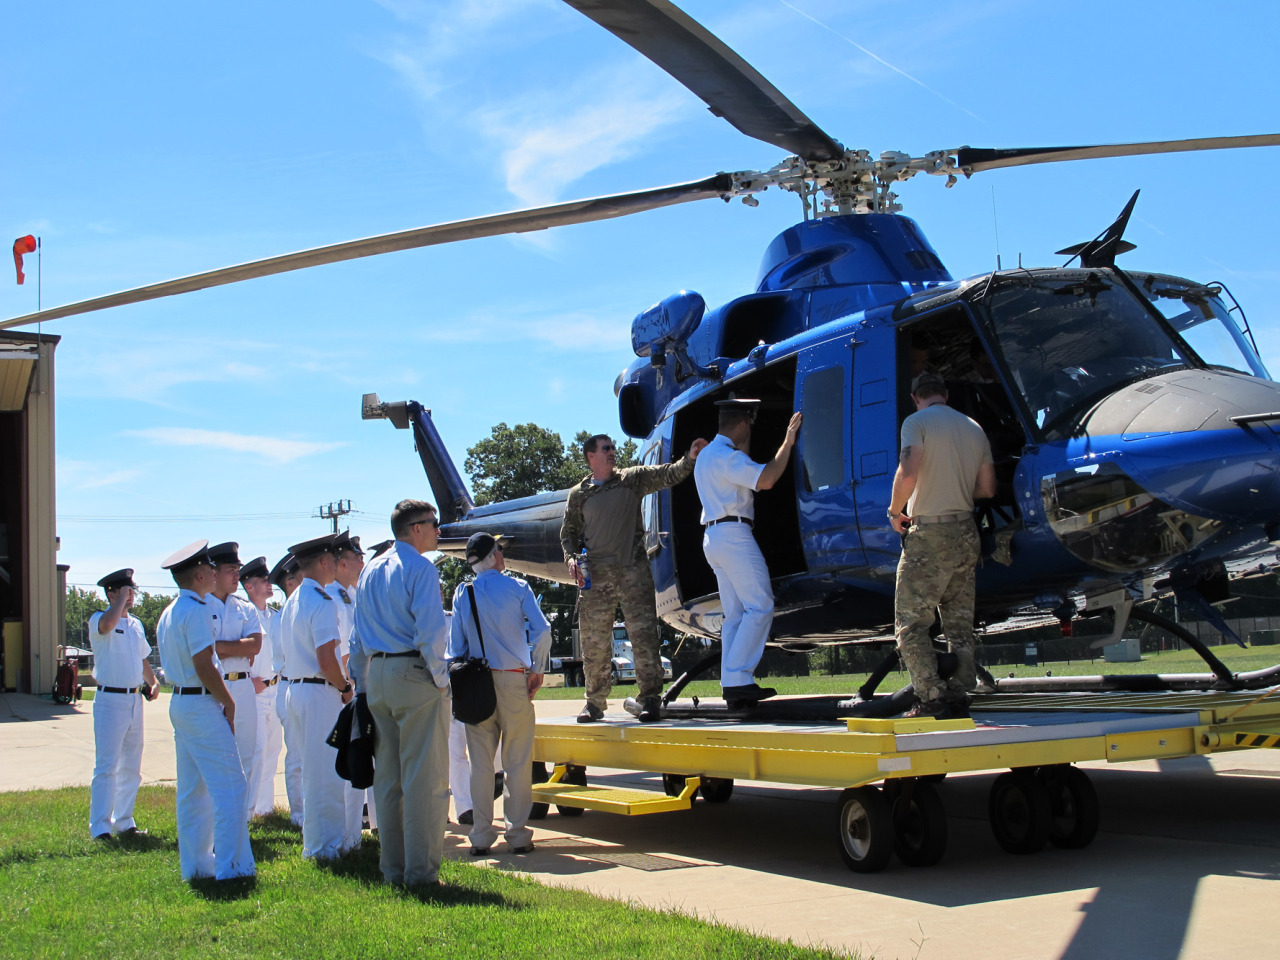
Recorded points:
(435,522)
(606,448)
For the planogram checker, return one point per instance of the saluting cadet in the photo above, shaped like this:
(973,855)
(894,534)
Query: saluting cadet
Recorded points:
(398,658)
(239,641)
(727,479)
(213,837)
(348,562)
(318,689)
(286,575)
(262,671)
(498,618)
(124,676)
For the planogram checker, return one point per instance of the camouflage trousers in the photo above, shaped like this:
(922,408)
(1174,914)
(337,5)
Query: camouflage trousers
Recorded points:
(936,578)
(630,585)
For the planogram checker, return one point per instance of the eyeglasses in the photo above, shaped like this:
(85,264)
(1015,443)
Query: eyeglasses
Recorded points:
(434,521)
(606,448)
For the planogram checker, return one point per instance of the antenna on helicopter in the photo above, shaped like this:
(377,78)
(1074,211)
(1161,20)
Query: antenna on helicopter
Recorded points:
(1103,249)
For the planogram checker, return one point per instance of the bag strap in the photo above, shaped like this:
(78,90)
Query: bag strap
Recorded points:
(475,615)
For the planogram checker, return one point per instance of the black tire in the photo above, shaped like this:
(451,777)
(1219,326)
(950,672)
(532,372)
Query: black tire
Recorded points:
(1020,812)
(539,810)
(919,825)
(1074,808)
(578,777)
(673,784)
(864,825)
(716,789)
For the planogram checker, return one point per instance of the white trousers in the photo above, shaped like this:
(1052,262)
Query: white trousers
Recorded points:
(746,596)
(411,765)
(266,755)
(460,766)
(292,755)
(513,722)
(213,837)
(246,727)
(117,767)
(328,829)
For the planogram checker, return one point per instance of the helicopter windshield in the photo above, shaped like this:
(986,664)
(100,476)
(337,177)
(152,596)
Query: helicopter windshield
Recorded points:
(1071,338)
(1197,312)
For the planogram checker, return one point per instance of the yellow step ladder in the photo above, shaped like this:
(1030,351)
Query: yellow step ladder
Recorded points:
(630,803)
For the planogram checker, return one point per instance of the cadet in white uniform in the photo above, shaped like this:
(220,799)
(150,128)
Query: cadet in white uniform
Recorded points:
(498,618)
(124,677)
(348,562)
(286,575)
(318,689)
(262,671)
(213,837)
(239,641)
(727,479)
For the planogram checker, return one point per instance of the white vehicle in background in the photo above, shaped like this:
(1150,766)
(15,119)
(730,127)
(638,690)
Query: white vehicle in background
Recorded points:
(624,661)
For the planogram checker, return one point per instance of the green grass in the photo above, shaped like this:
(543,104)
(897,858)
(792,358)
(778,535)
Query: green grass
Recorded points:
(1174,661)
(65,895)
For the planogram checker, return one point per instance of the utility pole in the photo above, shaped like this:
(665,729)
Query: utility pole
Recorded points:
(334,511)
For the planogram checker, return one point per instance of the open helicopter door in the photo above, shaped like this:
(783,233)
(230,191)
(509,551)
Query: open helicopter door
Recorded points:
(823,459)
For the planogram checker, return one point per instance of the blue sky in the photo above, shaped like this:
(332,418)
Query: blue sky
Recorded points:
(151,140)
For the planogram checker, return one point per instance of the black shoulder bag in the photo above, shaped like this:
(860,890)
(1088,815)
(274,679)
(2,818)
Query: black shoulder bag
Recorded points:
(471,680)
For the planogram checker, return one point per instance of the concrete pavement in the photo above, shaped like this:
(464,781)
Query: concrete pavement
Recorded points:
(1185,866)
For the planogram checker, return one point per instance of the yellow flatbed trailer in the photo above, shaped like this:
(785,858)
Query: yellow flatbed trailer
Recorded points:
(1035,737)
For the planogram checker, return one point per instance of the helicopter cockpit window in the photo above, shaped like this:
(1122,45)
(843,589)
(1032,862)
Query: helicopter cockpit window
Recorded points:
(822,433)
(650,508)
(1068,341)
(1201,318)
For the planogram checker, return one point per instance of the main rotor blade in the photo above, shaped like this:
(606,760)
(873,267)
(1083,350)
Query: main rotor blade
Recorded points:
(519,221)
(975,159)
(730,86)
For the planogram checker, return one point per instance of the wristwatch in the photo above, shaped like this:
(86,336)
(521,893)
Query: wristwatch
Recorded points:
(347,688)
(891,515)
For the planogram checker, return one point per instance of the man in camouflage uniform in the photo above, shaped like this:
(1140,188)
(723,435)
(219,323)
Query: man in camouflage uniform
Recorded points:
(603,515)
(945,464)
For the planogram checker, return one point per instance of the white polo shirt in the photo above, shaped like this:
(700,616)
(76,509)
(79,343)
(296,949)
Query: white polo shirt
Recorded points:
(186,627)
(118,655)
(308,621)
(726,479)
(264,664)
(237,619)
(345,601)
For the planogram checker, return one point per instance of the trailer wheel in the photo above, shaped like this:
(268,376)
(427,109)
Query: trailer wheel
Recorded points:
(919,825)
(539,810)
(578,777)
(1074,807)
(673,784)
(716,789)
(865,823)
(1020,812)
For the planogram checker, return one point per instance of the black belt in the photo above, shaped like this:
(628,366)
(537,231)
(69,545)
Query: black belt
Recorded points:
(235,676)
(311,680)
(120,689)
(404,653)
(189,691)
(269,683)
(747,520)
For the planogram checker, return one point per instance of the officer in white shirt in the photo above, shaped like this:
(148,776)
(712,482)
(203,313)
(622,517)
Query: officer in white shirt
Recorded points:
(727,479)
(124,677)
(262,671)
(239,641)
(348,562)
(213,837)
(318,689)
(286,575)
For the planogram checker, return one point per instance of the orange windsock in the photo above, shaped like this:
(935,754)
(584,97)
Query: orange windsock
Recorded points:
(22,245)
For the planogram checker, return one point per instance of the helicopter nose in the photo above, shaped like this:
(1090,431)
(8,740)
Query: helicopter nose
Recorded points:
(1179,441)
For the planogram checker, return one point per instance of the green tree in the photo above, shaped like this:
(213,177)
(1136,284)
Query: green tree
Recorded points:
(81,605)
(517,462)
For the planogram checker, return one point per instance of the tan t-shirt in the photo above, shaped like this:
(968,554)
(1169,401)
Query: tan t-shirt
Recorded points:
(954,448)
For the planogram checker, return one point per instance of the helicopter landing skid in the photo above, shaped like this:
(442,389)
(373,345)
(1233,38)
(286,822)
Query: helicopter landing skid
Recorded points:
(820,709)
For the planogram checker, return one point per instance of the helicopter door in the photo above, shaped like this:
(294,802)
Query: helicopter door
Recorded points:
(824,488)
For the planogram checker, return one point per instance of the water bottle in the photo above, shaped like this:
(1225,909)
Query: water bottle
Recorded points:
(584,570)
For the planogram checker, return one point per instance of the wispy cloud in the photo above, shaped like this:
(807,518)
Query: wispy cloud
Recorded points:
(276,449)
(84,475)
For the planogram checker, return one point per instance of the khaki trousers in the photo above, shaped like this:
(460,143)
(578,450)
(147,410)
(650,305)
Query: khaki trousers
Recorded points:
(513,722)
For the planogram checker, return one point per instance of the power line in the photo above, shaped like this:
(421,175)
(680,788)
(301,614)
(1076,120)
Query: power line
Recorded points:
(218,518)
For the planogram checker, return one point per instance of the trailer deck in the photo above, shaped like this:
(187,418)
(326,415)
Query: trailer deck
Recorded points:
(1037,737)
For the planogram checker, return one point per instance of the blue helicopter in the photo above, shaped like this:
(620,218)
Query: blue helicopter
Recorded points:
(1133,422)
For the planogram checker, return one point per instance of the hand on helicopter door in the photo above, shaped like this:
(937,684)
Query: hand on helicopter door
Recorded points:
(696,447)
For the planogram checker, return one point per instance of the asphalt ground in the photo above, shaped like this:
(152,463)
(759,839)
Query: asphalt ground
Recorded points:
(1185,865)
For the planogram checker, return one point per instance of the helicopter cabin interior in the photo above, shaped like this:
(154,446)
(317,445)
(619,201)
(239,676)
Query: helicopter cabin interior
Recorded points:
(946,342)
(777,525)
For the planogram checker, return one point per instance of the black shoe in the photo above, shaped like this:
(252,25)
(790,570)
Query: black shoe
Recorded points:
(498,780)
(937,709)
(650,710)
(479,851)
(958,707)
(747,695)
(466,817)
(527,848)
(132,833)
(590,713)
(102,836)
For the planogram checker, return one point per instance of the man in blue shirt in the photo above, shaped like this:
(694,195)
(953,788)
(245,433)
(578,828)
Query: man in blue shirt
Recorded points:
(398,662)
(497,618)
